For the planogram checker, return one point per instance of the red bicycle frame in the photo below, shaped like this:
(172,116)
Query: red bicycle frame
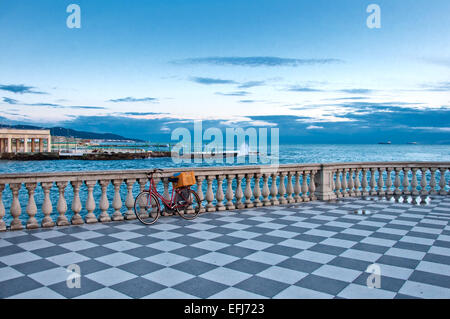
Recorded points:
(168,203)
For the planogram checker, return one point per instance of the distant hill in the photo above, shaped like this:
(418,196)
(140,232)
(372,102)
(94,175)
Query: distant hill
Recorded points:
(61,131)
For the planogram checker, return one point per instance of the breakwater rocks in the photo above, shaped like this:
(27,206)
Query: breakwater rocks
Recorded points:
(86,156)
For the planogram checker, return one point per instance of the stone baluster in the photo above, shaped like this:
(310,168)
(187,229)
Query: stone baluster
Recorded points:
(364,184)
(31,206)
(129,201)
(76,203)
(90,203)
(351,183)
(357,183)
(442,182)
(229,193)
(337,184)
(405,181)
(297,188)
(239,194)
(15,209)
(282,189)
(248,191)
(372,184)
(305,196)
(381,191)
(265,190)
(274,190)
(2,209)
(433,181)
(344,182)
(414,182)
(209,194)
(257,192)
(117,201)
(166,193)
(47,205)
(219,193)
(389,191)
(312,185)
(104,202)
(61,205)
(397,182)
(423,182)
(200,180)
(289,188)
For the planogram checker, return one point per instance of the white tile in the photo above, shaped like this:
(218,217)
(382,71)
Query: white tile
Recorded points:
(294,243)
(166,259)
(7,273)
(78,245)
(314,256)
(165,245)
(235,293)
(253,244)
(169,293)
(104,293)
(36,244)
(244,234)
(205,235)
(266,258)
(395,272)
(334,272)
(67,259)
(51,276)
(225,276)
(338,242)
(294,292)
(284,275)
(18,258)
(110,276)
(440,269)
(168,276)
(125,235)
(379,241)
(122,245)
(421,290)
(39,293)
(210,245)
(405,253)
(216,258)
(354,291)
(117,259)
(361,255)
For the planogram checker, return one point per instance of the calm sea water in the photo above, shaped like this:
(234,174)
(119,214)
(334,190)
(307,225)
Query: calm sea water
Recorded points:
(288,154)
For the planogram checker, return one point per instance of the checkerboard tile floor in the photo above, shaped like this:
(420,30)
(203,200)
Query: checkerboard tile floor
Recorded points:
(306,250)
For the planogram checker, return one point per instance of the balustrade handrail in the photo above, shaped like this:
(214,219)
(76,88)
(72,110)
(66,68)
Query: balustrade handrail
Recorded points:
(245,186)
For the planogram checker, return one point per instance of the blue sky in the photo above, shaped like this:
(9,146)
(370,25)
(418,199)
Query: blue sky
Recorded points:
(312,68)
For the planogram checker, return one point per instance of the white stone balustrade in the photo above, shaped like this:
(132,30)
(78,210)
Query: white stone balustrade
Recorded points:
(24,197)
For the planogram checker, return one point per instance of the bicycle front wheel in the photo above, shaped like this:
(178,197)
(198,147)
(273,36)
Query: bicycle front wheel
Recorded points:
(147,208)
(192,208)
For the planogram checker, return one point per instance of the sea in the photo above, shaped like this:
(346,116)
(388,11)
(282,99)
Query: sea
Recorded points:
(288,154)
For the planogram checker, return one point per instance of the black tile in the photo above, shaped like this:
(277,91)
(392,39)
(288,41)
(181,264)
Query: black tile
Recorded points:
(140,267)
(90,266)
(186,240)
(190,252)
(398,261)
(236,251)
(16,286)
(142,252)
(349,237)
(247,266)
(430,278)
(35,266)
(86,286)
(283,250)
(371,248)
(350,263)
(137,287)
(64,239)
(422,235)
(22,239)
(269,239)
(412,246)
(327,249)
(200,287)
(435,258)
(9,250)
(194,267)
(95,252)
(295,229)
(262,286)
(322,284)
(310,238)
(228,239)
(50,251)
(387,283)
(103,240)
(299,265)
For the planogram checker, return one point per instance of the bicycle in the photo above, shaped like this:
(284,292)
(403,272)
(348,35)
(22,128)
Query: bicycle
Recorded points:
(184,201)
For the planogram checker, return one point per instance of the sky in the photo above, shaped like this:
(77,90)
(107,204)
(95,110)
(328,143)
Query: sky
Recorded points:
(313,69)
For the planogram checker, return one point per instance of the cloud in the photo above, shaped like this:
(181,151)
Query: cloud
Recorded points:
(248,101)
(19,89)
(314,127)
(143,113)
(209,81)
(296,88)
(437,87)
(257,61)
(444,61)
(133,99)
(9,101)
(236,93)
(250,84)
(356,91)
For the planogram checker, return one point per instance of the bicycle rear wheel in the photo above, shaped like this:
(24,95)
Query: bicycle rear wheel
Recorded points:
(147,208)
(192,208)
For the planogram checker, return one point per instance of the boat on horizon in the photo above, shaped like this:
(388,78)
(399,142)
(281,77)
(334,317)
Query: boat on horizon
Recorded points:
(388,142)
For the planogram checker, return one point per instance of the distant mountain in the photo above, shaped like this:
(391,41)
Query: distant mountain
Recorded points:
(61,131)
